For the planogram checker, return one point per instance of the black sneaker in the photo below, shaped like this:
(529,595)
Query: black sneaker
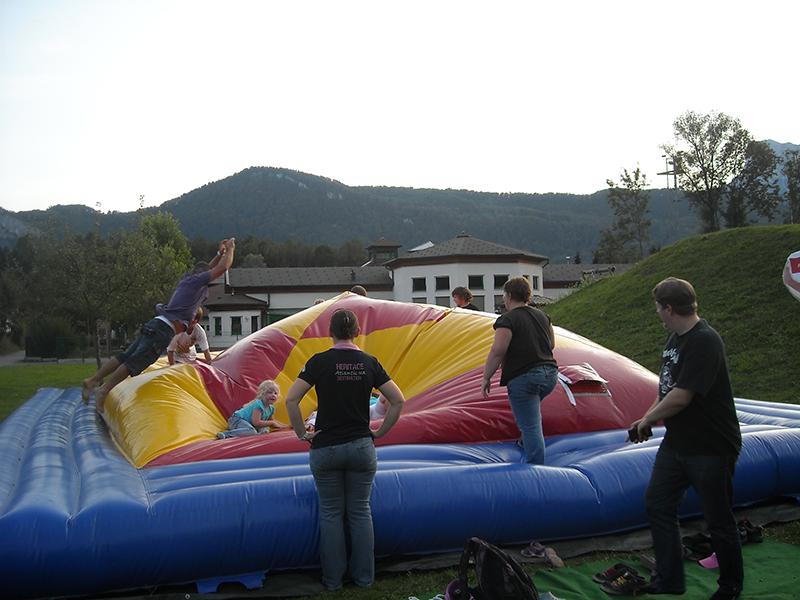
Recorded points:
(612,573)
(626,584)
(753,533)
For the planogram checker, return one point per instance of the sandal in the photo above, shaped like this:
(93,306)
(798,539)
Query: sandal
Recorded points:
(535,550)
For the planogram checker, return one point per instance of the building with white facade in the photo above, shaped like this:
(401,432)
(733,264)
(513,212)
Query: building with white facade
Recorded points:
(254,298)
(428,275)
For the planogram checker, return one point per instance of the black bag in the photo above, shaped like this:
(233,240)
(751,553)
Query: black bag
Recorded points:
(499,576)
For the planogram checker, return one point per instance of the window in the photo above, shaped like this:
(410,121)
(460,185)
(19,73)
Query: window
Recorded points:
(499,305)
(443,301)
(418,284)
(217,325)
(535,282)
(419,300)
(236,325)
(499,280)
(442,284)
(475,282)
(479,302)
(253,323)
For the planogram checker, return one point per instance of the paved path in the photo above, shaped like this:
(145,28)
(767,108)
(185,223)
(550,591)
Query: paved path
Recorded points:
(18,358)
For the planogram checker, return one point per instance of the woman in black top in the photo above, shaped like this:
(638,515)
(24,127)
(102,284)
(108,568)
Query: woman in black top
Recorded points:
(523,344)
(342,458)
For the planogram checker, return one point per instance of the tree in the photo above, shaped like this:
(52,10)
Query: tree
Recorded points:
(629,234)
(118,279)
(253,261)
(754,190)
(709,151)
(791,170)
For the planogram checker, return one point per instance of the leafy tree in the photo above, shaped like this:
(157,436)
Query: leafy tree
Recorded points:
(629,234)
(754,190)
(352,253)
(253,261)
(791,170)
(610,249)
(709,152)
(118,279)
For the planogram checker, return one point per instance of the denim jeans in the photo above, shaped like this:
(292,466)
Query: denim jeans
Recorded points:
(712,479)
(343,475)
(239,427)
(145,350)
(525,394)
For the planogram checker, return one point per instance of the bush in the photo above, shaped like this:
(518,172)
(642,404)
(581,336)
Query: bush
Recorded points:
(44,336)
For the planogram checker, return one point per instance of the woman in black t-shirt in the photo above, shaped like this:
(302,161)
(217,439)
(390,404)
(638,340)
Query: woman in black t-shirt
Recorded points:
(342,458)
(523,344)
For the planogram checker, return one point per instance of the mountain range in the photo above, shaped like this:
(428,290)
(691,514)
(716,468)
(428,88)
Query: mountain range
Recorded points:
(274,203)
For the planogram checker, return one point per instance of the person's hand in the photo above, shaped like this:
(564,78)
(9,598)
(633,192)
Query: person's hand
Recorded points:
(223,247)
(486,385)
(231,244)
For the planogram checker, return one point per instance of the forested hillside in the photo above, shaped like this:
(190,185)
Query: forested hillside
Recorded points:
(278,203)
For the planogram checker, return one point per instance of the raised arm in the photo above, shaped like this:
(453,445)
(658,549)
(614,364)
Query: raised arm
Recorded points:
(224,258)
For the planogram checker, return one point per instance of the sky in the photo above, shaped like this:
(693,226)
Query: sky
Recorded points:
(115,104)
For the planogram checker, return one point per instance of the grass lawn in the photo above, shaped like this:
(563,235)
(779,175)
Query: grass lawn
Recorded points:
(20,382)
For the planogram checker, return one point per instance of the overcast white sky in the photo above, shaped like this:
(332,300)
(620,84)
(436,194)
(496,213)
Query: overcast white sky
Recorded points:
(102,101)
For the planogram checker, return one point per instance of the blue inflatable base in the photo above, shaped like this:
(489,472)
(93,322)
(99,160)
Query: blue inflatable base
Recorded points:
(77,519)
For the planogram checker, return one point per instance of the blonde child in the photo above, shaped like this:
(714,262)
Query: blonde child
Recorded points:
(256,416)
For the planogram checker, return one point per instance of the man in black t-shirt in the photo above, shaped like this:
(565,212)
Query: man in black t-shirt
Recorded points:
(700,448)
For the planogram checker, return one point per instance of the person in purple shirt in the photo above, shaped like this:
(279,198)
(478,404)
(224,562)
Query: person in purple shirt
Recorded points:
(173,318)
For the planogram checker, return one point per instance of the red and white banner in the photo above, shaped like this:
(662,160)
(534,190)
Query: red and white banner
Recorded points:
(791,274)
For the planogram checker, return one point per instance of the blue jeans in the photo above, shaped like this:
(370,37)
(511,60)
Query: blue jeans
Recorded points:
(343,475)
(525,394)
(240,427)
(712,479)
(145,350)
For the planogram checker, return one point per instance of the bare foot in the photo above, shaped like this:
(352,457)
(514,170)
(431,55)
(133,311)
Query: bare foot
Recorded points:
(86,390)
(100,399)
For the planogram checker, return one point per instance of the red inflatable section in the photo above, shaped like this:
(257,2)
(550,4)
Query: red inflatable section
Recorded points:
(436,356)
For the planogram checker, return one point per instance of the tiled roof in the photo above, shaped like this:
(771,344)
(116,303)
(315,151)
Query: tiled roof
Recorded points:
(384,243)
(464,246)
(295,277)
(235,300)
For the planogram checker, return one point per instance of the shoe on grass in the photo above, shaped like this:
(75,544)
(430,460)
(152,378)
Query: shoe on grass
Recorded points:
(612,573)
(626,584)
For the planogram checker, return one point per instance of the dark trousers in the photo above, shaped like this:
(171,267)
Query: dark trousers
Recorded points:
(712,479)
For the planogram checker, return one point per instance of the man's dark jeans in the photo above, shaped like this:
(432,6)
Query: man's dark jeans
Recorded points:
(711,476)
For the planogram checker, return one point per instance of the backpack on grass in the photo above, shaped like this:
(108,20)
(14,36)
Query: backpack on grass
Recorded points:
(500,577)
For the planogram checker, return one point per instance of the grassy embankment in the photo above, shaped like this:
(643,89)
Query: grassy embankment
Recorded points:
(737,275)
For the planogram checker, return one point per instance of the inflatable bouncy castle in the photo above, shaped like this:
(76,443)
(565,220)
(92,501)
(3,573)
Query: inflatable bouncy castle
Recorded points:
(146,495)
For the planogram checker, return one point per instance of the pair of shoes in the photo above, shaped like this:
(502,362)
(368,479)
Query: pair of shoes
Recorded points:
(612,573)
(535,551)
(749,532)
(221,435)
(626,584)
(723,596)
(655,588)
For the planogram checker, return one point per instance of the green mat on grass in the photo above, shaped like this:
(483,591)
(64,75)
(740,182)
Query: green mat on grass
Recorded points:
(771,571)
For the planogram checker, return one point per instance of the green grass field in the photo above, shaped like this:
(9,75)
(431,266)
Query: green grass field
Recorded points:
(737,277)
